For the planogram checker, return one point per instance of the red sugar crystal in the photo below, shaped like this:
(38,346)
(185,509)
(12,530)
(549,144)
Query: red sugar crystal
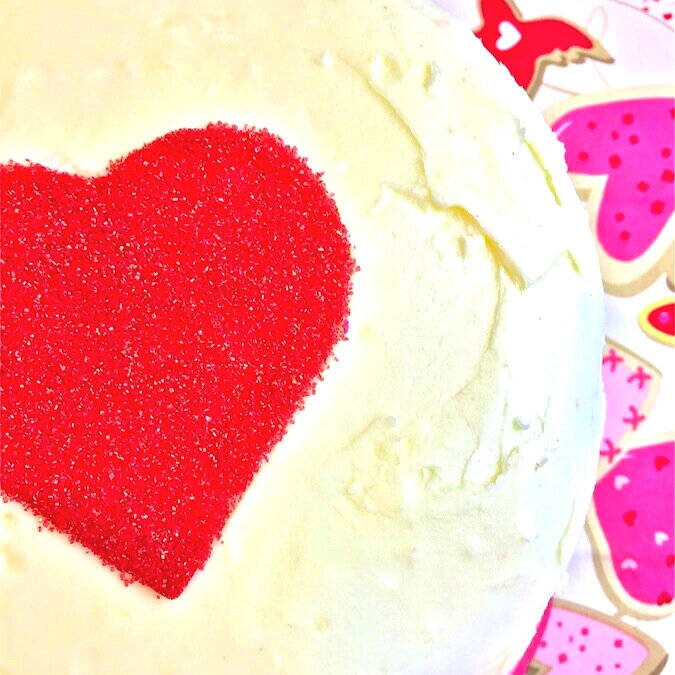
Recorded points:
(161,325)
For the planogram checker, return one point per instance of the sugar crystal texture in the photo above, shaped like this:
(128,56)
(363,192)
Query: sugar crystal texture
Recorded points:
(161,325)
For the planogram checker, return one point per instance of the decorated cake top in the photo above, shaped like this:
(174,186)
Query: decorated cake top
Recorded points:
(285,293)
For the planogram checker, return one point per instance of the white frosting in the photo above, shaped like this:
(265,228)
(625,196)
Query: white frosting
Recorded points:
(420,511)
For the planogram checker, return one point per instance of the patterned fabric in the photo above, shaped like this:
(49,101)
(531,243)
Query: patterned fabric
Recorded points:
(601,72)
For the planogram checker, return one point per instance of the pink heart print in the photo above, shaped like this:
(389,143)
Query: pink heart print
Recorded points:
(631,142)
(634,506)
(578,641)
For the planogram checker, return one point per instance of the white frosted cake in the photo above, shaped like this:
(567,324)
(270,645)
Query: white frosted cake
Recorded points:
(308,379)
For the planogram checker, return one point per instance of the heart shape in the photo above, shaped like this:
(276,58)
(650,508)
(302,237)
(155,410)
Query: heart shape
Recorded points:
(161,325)
(628,140)
(592,643)
(509,36)
(629,518)
(660,538)
(620,482)
(632,532)
(661,462)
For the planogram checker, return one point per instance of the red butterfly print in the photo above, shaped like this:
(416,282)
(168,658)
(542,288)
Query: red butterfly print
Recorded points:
(527,47)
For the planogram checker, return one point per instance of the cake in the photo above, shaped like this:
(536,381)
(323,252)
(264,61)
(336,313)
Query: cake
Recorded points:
(302,331)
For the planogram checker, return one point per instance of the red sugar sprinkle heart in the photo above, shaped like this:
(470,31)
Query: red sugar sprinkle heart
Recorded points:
(161,325)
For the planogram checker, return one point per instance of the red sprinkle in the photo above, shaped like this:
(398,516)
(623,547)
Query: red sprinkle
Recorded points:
(615,161)
(161,325)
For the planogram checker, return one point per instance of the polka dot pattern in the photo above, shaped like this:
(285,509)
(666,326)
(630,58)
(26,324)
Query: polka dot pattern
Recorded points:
(637,527)
(602,647)
(631,143)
